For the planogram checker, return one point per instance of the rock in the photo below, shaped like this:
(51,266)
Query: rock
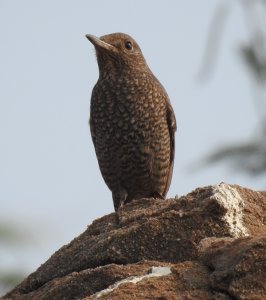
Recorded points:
(209,244)
(239,267)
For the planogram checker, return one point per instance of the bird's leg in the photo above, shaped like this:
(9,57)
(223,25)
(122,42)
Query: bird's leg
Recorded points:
(119,197)
(157,195)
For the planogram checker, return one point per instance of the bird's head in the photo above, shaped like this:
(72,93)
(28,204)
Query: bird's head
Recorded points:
(117,52)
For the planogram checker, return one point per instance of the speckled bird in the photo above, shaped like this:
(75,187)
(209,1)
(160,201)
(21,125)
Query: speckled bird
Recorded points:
(132,122)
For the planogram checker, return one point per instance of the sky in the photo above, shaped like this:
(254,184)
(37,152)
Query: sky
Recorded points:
(50,184)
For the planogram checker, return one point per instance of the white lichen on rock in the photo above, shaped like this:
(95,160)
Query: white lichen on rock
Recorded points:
(230,199)
(155,272)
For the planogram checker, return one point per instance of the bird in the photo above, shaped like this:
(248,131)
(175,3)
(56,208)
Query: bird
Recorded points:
(132,122)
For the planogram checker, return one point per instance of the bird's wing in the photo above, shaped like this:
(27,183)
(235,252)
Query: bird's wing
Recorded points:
(171,121)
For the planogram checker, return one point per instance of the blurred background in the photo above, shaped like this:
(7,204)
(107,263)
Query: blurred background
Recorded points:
(209,55)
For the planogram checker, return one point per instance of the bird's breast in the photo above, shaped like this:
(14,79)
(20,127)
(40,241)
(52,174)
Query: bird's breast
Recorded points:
(128,110)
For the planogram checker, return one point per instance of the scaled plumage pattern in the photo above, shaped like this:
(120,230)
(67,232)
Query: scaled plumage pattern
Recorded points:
(132,122)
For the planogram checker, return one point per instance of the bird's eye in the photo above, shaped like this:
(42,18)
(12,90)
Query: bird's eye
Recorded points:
(128,45)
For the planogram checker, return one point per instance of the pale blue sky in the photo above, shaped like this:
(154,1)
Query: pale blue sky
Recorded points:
(50,181)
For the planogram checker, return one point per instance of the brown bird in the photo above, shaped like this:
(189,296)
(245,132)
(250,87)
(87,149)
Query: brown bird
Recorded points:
(132,122)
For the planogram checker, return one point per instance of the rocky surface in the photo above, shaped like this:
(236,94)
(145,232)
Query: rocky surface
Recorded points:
(209,244)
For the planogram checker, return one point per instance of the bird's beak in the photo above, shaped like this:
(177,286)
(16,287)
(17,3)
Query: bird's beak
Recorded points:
(98,43)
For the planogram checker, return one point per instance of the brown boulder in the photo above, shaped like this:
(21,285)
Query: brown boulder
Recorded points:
(209,244)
